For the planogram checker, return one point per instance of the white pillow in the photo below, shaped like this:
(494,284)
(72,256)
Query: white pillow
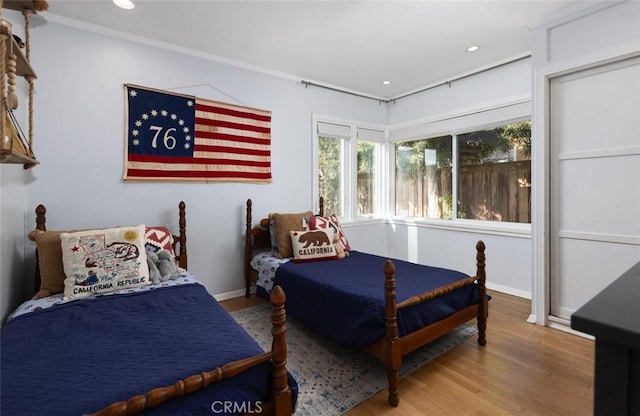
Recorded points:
(313,245)
(106,260)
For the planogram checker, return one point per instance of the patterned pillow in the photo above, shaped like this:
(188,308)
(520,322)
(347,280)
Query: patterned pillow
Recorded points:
(283,224)
(158,238)
(318,222)
(98,261)
(313,245)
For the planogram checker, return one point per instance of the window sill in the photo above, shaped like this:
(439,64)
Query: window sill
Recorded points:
(507,229)
(363,221)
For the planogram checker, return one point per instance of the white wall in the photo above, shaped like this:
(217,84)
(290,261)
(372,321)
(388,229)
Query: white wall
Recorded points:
(80,143)
(508,248)
(13,199)
(368,237)
(508,255)
(13,203)
(510,82)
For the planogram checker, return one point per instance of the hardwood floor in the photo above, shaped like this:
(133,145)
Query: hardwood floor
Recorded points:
(525,369)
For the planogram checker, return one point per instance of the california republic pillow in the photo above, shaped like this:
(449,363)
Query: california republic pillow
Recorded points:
(106,260)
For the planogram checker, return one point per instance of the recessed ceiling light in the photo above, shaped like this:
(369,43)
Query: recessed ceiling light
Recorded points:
(125,4)
(473,48)
(386,82)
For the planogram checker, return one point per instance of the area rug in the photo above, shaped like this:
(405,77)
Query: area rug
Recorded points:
(333,379)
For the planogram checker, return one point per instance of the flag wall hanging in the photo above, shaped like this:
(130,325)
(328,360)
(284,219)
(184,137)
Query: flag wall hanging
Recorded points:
(181,138)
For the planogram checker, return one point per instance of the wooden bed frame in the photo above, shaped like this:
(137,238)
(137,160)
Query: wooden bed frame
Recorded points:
(279,403)
(391,348)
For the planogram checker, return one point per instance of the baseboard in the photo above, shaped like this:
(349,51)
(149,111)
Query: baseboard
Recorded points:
(509,290)
(229,295)
(564,325)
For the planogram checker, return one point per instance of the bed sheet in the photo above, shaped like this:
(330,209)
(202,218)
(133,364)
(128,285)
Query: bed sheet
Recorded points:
(266,264)
(344,299)
(77,357)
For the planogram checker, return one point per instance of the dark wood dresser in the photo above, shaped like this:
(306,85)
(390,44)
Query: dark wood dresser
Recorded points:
(613,318)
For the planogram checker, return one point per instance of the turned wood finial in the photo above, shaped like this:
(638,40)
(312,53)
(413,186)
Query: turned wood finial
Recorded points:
(248,249)
(248,222)
(483,304)
(480,262)
(182,227)
(390,299)
(41,218)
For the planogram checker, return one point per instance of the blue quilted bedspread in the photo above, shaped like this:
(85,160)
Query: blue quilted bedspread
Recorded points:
(81,356)
(344,299)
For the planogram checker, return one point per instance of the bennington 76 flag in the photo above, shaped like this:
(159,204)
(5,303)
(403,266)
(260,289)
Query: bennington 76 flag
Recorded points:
(180,138)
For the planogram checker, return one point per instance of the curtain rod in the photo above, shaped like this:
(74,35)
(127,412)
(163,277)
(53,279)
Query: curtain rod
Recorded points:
(440,84)
(448,82)
(326,87)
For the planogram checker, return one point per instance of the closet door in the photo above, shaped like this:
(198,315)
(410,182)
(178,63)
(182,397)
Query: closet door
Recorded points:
(594,162)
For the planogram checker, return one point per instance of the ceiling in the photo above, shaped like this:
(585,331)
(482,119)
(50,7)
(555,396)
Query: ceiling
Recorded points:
(351,45)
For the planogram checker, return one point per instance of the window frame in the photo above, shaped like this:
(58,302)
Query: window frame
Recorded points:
(455,124)
(349,168)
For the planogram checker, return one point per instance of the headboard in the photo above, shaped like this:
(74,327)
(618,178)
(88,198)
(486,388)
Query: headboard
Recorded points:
(179,240)
(258,238)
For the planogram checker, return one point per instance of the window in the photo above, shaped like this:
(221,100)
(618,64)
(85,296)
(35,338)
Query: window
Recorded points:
(332,147)
(366,177)
(350,164)
(492,167)
(473,166)
(494,174)
(369,168)
(423,178)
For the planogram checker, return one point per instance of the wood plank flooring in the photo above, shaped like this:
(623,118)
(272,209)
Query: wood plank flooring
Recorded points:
(525,369)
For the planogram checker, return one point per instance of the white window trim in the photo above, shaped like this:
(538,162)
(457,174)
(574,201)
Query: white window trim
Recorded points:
(469,120)
(465,122)
(509,229)
(350,208)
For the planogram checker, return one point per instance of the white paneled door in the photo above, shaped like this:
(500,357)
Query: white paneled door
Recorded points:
(594,177)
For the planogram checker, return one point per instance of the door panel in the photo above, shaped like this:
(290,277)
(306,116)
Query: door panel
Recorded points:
(594,162)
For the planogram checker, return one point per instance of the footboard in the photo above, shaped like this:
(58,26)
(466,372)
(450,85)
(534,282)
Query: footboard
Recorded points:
(280,401)
(391,348)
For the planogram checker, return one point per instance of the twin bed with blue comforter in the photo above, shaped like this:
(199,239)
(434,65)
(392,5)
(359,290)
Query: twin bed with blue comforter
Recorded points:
(385,307)
(164,349)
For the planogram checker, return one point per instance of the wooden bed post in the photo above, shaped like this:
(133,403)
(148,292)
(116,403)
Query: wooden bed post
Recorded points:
(41,224)
(321,206)
(280,390)
(483,302)
(41,218)
(248,251)
(391,346)
(182,226)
